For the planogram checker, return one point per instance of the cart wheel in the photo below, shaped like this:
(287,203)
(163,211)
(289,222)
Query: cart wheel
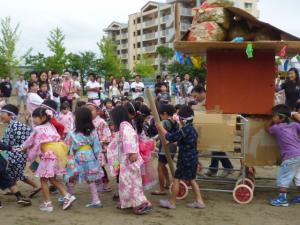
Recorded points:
(242,194)
(183,190)
(247,181)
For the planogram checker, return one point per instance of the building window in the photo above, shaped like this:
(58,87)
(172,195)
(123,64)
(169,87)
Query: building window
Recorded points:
(139,44)
(248,6)
(139,32)
(133,45)
(134,34)
(133,21)
(134,57)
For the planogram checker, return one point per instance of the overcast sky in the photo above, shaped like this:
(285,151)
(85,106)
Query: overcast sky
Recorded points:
(83,21)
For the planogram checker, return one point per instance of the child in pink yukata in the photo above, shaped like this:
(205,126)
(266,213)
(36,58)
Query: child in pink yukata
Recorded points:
(66,117)
(127,163)
(105,136)
(45,143)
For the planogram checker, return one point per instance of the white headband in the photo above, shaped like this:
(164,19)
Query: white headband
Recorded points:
(9,112)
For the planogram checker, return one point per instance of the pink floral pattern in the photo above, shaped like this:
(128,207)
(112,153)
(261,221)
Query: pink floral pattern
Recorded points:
(130,179)
(48,166)
(67,120)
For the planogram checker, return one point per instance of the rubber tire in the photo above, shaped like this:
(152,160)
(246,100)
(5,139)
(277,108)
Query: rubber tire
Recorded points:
(183,190)
(242,194)
(247,181)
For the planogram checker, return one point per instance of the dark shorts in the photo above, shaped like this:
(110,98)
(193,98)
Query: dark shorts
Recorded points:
(186,172)
(6,181)
(163,159)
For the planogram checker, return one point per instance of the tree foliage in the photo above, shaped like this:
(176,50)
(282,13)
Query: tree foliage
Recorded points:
(9,37)
(177,68)
(144,67)
(58,60)
(110,63)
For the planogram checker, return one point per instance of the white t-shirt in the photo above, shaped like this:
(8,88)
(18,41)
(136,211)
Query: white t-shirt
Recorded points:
(138,89)
(92,94)
(21,87)
(126,87)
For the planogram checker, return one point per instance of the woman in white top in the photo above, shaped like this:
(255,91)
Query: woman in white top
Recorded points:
(114,89)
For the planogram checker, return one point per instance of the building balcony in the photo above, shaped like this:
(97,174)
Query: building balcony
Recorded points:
(124,56)
(149,49)
(167,18)
(124,46)
(184,27)
(150,36)
(186,12)
(124,36)
(150,23)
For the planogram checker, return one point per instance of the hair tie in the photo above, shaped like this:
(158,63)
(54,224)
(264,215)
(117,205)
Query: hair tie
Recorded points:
(49,113)
(138,113)
(132,107)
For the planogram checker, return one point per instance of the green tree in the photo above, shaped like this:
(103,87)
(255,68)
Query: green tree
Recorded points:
(58,60)
(165,54)
(38,62)
(181,70)
(144,67)
(9,36)
(110,63)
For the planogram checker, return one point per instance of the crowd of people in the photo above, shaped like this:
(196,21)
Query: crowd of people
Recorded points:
(112,134)
(68,141)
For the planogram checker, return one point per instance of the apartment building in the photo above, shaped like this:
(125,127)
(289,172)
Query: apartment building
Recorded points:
(250,6)
(118,32)
(154,25)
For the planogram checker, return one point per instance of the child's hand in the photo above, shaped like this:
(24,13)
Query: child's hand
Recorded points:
(133,157)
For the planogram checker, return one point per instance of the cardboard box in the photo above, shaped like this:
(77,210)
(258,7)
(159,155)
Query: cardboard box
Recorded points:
(262,148)
(216,131)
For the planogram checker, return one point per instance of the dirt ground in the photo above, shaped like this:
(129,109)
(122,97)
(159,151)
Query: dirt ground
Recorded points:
(221,209)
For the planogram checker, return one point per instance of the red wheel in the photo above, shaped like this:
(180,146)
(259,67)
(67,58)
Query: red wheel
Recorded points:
(247,181)
(242,194)
(183,190)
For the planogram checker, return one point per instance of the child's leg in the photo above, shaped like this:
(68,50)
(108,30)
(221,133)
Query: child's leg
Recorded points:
(196,190)
(59,186)
(45,189)
(166,175)
(161,179)
(71,187)
(105,180)
(30,182)
(94,192)
(20,198)
(175,191)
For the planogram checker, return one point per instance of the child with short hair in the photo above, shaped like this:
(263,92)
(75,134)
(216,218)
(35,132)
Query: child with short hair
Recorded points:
(66,117)
(46,143)
(14,135)
(43,91)
(187,162)
(287,135)
(166,113)
(164,96)
(85,147)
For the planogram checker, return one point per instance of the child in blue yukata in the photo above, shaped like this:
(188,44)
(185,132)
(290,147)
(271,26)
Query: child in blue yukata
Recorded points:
(286,133)
(187,162)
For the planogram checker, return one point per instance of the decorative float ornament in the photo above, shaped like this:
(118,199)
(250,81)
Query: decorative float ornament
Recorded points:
(298,57)
(196,60)
(189,60)
(249,51)
(286,65)
(179,57)
(282,52)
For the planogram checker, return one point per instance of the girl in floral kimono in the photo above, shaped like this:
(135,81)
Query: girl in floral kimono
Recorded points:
(104,136)
(84,148)
(126,156)
(45,143)
(14,135)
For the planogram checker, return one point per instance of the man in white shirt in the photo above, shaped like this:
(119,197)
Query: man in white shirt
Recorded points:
(137,87)
(126,87)
(21,91)
(93,88)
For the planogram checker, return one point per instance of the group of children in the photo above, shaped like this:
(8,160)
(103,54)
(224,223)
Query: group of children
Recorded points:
(65,148)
